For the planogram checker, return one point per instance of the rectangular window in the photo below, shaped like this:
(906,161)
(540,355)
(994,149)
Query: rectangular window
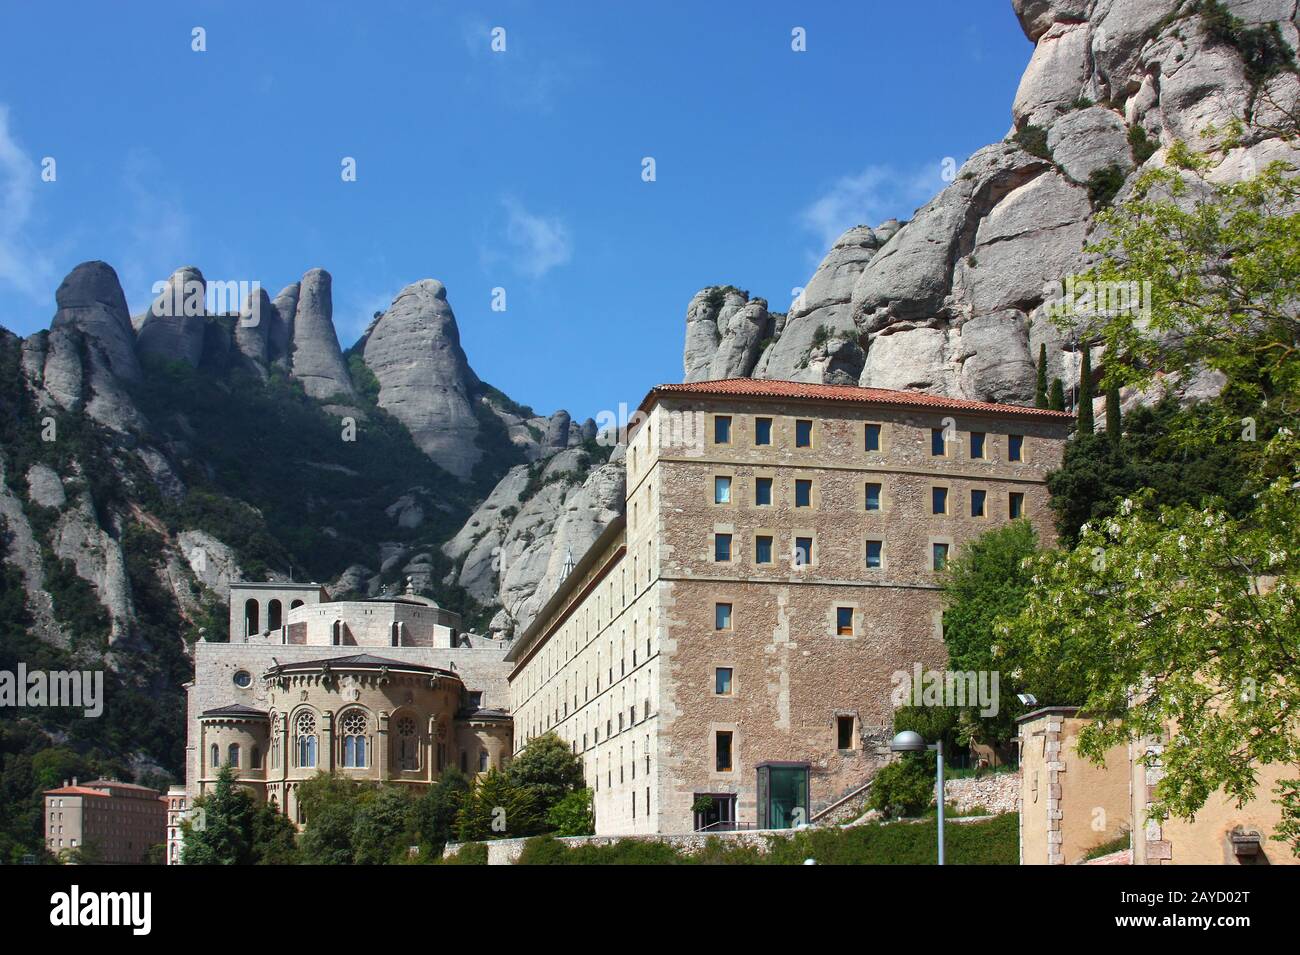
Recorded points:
(722,616)
(722,429)
(722,681)
(874,551)
(722,490)
(722,751)
(803,433)
(873,437)
(940,556)
(762,492)
(977,444)
(844,732)
(763,549)
(1016,504)
(803,493)
(803,551)
(722,547)
(939,500)
(977,503)
(938,447)
(1015,447)
(844,621)
(762,431)
(873,497)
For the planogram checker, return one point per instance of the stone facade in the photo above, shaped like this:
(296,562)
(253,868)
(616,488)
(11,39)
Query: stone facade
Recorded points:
(623,661)
(111,822)
(387,689)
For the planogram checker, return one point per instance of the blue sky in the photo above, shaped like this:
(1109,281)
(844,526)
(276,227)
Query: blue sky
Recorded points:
(520,169)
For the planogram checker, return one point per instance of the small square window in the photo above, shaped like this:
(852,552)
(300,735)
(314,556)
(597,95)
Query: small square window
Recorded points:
(722,547)
(803,433)
(939,559)
(938,446)
(844,621)
(762,491)
(1015,447)
(873,497)
(977,444)
(844,732)
(763,549)
(722,429)
(722,751)
(762,431)
(977,503)
(803,551)
(722,616)
(802,493)
(722,681)
(1016,504)
(872,437)
(939,500)
(722,490)
(874,552)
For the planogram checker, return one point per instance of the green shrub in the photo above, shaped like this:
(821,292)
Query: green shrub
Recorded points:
(1142,146)
(1033,140)
(1104,184)
(904,787)
(472,853)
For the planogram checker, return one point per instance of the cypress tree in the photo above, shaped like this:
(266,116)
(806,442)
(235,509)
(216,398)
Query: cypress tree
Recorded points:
(1040,387)
(1056,401)
(1086,423)
(1113,412)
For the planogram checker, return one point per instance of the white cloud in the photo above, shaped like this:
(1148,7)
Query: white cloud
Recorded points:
(869,197)
(535,243)
(22,266)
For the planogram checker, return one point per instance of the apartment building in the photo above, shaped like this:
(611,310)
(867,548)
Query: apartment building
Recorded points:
(104,821)
(725,655)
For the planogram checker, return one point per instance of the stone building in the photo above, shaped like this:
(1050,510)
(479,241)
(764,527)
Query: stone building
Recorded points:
(104,821)
(384,689)
(726,654)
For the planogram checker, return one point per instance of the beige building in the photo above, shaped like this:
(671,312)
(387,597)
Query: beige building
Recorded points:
(1070,805)
(385,689)
(108,821)
(726,655)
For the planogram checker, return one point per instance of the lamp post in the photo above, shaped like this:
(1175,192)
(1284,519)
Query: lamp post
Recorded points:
(910,741)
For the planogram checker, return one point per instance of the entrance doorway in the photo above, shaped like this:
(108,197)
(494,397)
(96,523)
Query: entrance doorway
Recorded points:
(715,812)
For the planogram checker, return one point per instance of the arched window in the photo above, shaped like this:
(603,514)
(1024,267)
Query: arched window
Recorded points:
(274,615)
(336,633)
(396,633)
(252,617)
(408,744)
(352,738)
(482,761)
(305,740)
(214,757)
(255,762)
(232,755)
(296,604)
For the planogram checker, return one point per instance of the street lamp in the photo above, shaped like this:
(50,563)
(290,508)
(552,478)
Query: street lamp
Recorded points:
(910,741)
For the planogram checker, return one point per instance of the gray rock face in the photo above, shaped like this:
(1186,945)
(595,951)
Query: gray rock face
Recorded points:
(951,302)
(252,329)
(172,328)
(210,560)
(557,430)
(1086,140)
(45,487)
(24,552)
(279,329)
(90,300)
(98,559)
(424,379)
(317,360)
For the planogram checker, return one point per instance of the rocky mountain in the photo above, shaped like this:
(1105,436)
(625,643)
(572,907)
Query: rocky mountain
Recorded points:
(953,301)
(148,462)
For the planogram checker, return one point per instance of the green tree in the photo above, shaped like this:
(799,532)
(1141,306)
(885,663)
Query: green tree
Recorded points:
(572,815)
(1114,423)
(1040,383)
(904,787)
(1086,423)
(384,828)
(225,835)
(494,808)
(548,769)
(435,814)
(1056,399)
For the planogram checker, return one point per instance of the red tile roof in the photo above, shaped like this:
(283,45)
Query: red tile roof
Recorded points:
(801,390)
(76,791)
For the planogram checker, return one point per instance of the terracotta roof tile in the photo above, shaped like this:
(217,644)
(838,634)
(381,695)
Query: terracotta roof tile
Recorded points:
(762,388)
(76,791)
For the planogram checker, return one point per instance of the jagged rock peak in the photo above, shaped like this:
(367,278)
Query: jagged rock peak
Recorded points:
(172,327)
(425,381)
(91,301)
(317,361)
